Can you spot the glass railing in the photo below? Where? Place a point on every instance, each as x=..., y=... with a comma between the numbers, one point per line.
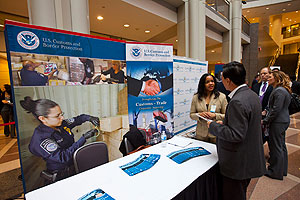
x=245, y=25
x=221, y=6
x=290, y=31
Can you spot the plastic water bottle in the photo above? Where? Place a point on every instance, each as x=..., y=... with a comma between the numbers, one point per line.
x=163, y=138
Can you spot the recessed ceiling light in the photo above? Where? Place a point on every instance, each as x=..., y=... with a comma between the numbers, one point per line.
x=100, y=18
x=213, y=51
x=295, y=21
x=248, y=10
x=282, y=24
x=147, y=31
x=176, y=40
x=289, y=4
x=267, y=8
x=297, y=11
x=126, y=25
x=271, y=25
x=253, y=19
x=290, y=20
x=284, y=9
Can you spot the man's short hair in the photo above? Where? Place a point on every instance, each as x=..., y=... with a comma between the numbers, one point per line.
x=235, y=71
x=27, y=64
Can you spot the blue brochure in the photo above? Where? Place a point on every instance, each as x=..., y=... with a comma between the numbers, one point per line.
x=142, y=163
x=186, y=154
x=97, y=194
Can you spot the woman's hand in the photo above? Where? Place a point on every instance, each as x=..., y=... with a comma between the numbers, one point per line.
x=208, y=115
x=211, y=115
x=264, y=113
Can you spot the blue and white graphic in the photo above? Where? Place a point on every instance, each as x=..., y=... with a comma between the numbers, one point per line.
x=150, y=87
x=187, y=73
x=136, y=52
x=28, y=40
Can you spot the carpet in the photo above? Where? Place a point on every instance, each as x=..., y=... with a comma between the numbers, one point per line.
x=10, y=186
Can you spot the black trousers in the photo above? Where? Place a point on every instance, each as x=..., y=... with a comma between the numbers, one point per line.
x=234, y=189
x=8, y=116
x=278, y=153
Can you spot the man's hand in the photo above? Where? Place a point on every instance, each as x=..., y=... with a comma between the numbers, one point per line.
x=151, y=87
x=51, y=74
x=90, y=133
x=208, y=124
x=95, y=121
x=103, y=77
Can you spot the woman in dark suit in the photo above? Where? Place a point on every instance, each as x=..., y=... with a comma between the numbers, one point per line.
x=278, y=119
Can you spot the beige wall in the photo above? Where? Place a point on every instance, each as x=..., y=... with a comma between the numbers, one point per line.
x=4, y=73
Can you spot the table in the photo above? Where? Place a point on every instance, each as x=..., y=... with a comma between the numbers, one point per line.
x=164, y=180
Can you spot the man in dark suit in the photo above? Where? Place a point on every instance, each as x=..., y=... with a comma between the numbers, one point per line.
x=263, y=89
x=239, y=141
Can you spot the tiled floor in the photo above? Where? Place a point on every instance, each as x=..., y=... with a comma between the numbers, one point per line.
x=266, y=188
x=262, y=188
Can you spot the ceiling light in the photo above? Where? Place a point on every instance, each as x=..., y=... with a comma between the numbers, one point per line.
x=271, y=25
x=282, y=24
x=248, y=10
x=289, y=4
x=284, y=9
x=1, y=25
x=147, y=31
x=287, y=18
x=297, y=11
x=267, y=8
x=213, y=51
x=126, y=25
x=290, y=20
x=295, y=21
x=100, y=18
x=176, y=40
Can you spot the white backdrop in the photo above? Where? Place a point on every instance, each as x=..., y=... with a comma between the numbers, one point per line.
x=187, y=73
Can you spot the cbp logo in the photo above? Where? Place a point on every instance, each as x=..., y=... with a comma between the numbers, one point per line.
x=136, y=52
x=28, y=40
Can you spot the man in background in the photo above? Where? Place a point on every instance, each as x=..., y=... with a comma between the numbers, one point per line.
x=263, y=89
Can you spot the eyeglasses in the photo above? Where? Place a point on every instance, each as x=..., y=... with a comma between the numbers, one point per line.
x=57, y=116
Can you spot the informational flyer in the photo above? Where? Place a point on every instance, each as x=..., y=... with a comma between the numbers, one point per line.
x=150, y=87
x=187, y=73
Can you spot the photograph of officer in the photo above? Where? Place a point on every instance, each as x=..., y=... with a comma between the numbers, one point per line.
x=53, y=139
x=30, y=77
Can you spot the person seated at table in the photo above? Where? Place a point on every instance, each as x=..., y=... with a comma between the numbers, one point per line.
x=115, y=72
x=53, y=139
x=30, y=77
x=208, y=102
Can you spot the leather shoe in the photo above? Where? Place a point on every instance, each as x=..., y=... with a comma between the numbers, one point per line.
x=277, y=178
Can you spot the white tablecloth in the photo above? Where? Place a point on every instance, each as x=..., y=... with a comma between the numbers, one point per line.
x=163, y=181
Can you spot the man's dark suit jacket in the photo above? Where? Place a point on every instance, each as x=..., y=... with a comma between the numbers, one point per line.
x=239, y=141
x=265, y=99
x=296, y=87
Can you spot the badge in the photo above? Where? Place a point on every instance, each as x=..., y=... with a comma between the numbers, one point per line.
x=49, y=145
x=70, y=121
x=213, y=108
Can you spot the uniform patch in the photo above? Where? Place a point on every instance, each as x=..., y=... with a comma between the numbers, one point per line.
x=70, y=121
x=49, y=145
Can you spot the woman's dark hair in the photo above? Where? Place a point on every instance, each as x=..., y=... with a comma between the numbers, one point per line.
x=40, y=107
x=7, y=88
x=201, y=87
x=235, y=71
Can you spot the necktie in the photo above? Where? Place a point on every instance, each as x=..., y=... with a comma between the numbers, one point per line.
x=263, y=91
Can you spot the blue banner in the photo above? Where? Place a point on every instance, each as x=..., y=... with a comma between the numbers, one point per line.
x=23, y=39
